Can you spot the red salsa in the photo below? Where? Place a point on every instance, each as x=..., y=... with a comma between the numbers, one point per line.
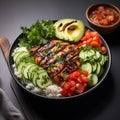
x=104, y=16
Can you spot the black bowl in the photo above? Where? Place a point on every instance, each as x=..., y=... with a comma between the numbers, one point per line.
x=101, y=79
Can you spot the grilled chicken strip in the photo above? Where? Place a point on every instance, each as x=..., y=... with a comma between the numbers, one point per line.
x=58, y=58
x=66, y=71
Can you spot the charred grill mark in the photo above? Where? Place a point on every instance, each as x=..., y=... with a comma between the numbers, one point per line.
x=34, y=50
x=60, y=66
x=43, y=61
x=55, y=70
x=47, y=52
x=38, y=57
x=53, y=59
x=71, y=54
x=57, y=48
x=45, y=47
x=49, y=45
x=58, y=58
x=41, y=52
x=58, y=78
x=56, y=41
x=74, y=58
x=62, y=53
x=52, y=54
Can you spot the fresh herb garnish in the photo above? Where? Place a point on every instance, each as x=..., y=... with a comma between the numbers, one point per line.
x=60, y=58
x=65, y=76
x=38, y=33
x=58, y=44
x=51, y=66
x=47, y=52
x=98, y=49
x=86, y=48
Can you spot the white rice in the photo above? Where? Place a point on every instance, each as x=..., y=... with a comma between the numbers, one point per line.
x=16, y=72
x=53, y=91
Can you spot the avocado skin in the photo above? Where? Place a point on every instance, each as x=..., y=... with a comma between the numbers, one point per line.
x=69, y=29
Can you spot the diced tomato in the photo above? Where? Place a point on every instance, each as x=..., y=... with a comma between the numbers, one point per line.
x=84, y=79
x=100, y=41
x=79, y=80
x=80, y=88
x=66, y=86
x=104, y=50
x=75, y=74
x=71, y=77
x=89, y=40
x=95, y=44
x=80, y=44
x=73, y=88
x=76, y=81
x=70, y=93
x=84, y=38
x=64, y=92
x=93, y=34
x=85, y=73
x=96, y=38
x=72, y=83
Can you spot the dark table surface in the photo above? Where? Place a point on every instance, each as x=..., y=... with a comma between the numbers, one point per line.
x=104, y=104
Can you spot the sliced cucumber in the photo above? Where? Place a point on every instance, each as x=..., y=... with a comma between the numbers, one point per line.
x=20, y=69
x=21, y=65
x=101, y=71
x=31, y=71
x=90, y=53
x=98, y=68
x=97, y=55
x=43, y=82
x=94, y=67
x=37, y=74
x=26, y=69
x=16, y=55
x=86, y=67
x=41, y=79
x=93, y=62
x=21, y=49
x=93, y=79
x=86, y=55
x=20, y=56
x=82, y=54
x=103, y=59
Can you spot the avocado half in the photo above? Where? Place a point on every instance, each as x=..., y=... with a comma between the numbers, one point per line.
x=69, y=29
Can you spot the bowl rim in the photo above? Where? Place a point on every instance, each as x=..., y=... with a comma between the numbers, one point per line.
x=108, y=4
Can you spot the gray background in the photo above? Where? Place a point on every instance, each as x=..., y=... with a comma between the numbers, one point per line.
x=17, y=13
